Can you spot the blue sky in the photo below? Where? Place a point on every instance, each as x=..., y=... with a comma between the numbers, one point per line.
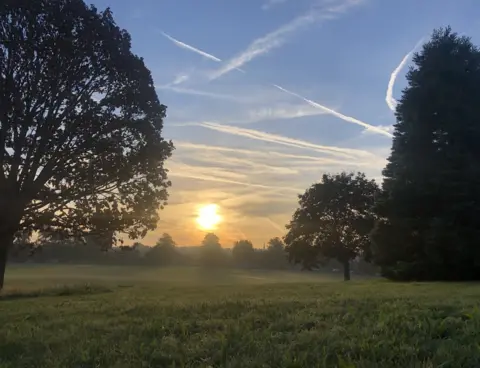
x=264, y=96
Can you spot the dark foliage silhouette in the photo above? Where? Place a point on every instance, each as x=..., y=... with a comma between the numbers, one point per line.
x=333, y=221
x=243, y=253
x=429, y=225
x=212, y=254
x=81, y=149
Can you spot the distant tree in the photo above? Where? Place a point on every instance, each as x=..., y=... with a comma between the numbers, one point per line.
x=243, y=253
x=212, y=254
x=211, y=241
x=429, y=227
x=276, y=245
x=81, y=149
x=166, y=241
x=275, y=255
x=142, y=249
x=164, y=252
x=334, y=220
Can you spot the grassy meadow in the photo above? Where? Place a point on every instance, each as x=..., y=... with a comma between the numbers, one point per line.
x=91, y=316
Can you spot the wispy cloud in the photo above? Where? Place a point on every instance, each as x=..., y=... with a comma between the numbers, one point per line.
x=348, y=119
x=180, y=79
x=391, y=102
x=276, y=226
x=271, y=3
x=278, y=37
x=195, y=92
x=299, y=161
x=291, y=142
x=281, y=112
x=191, y=48
x=386, y=128
x=219, y=175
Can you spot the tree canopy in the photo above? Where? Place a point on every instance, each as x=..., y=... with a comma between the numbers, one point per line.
x=429, y=211
x=166, y=241
x=164, y=252
x=212, y=254
x=81, y=149
x=243, y=253
x=333, y=220
x=276, y=245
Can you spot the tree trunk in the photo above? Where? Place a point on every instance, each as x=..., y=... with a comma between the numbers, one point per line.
x=346, y=271
x=6, y=240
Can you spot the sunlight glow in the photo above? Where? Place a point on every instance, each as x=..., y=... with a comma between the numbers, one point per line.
x=208, y=217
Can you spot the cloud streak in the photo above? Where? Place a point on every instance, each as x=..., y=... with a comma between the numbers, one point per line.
x=219, y=175
x=191, y=48
x=299, y=161
x=389, y=99
x=348, y=119
x=271, y=3
x=291, y=142
x=196, y=92
x=279, y=36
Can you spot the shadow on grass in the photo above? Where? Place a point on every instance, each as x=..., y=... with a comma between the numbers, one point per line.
x=65, y=290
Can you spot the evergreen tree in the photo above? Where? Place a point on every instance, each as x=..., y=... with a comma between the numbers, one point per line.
x=430, y=207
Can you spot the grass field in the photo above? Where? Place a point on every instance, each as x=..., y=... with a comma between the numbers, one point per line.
x=90, y=316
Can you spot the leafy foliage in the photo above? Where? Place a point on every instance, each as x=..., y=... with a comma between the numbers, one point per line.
x=243, y=253
x=275, y=255
x=276, y=245
x=164, y=252
x=333, y=220
x=212, y=254
x=430, y=208
x=81, y=150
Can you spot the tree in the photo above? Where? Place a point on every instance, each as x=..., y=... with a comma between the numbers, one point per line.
x=243, y=253
x=212, y=254
x=275, y=255
x=81, y=149
x=429, y=211
x=334, y=220
x=166, y=241
x=211, y=241
x=164, y=251
x=276, y=245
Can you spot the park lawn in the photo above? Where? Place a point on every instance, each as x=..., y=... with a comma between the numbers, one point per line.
x=141, y=317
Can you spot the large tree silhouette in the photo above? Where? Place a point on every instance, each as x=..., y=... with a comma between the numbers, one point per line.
x=81, y=150
x=334, y=220
x=429, y=226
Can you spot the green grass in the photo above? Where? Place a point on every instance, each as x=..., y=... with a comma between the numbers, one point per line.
x=185, y=317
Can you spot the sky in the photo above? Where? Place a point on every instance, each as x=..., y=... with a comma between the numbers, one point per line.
x=265, y=96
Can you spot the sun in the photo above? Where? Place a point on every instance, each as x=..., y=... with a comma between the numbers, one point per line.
x=208, y=217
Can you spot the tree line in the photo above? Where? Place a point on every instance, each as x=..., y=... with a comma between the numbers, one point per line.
x=50, y=248
x=210, y=253
x=82, y=153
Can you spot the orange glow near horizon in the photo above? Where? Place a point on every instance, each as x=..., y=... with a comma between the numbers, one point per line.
x=208, y=217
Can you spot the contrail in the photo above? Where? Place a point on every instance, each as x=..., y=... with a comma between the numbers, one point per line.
x=276, y=226
x=183, y=45
x=195, y=92
x=346, y=118
x=391, y=102
x=291, y=142
x=278, y=37
x=191, y=48
x=314, y=160
x=189, y=172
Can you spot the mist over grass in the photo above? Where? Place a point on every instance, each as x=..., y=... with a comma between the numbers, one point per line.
x=195, y=317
